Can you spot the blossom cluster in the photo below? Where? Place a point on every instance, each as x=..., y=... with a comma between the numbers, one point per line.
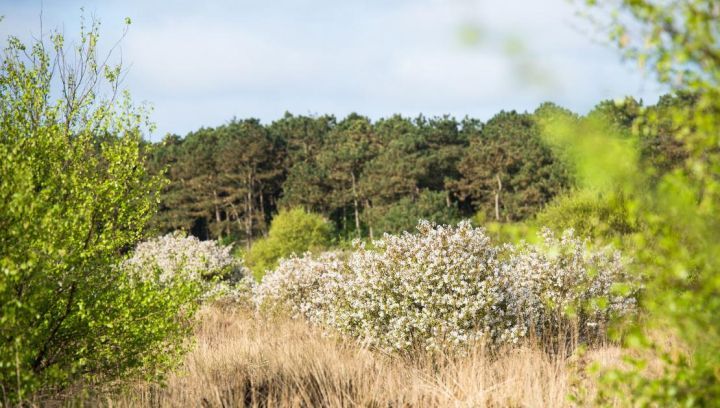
x=560, y=281
x=302, y=286
x=179, y=256
x=447, y=286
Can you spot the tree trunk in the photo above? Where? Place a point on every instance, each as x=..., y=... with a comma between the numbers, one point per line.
x=497, y=198
x=370, y=228
x=249, y=212
x=355, y=204
x=236, y=214
x=217, y=214
x=262, y=213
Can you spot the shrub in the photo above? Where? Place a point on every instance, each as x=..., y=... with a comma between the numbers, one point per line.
x=291, y=232
x=425, y=290
x=590, y=214
x=403, y=214
x=176, y=258
x=74, y=195
x=560, y=285
x=301, y=286
x=179, y=256
x=505, y=232
x=446, y=287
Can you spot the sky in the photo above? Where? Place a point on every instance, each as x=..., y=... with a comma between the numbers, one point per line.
x=202, y=63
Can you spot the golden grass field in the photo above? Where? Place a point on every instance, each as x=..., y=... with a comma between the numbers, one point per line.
x=240, y=360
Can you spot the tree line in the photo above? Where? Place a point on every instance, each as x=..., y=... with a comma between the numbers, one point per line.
x=371, y=177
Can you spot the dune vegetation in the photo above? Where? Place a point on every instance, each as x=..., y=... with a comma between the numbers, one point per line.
x=537, y=259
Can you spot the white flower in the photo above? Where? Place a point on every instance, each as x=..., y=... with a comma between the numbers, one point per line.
x=176, y=256
x=448, y=286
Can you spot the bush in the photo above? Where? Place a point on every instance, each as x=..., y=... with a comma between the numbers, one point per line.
x=506, y=232
x=299, y=285
x=446, y=287
x=74, y=196
x=561, y=287
x=179, y=256
x=425, y=290
x=590, y=214
x=176, y=258
x=291, y=232
x=404, y=214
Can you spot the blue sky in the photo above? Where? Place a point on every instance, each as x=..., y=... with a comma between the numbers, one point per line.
x=201, y=63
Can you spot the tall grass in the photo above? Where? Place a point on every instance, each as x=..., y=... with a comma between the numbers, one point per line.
x=244, y=360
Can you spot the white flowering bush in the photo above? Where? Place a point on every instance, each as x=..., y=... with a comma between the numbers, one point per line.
x=177, y=256
x=446, y=287
x=562, y=284
x=302, y=286
x=231, y=292
x=427, y=290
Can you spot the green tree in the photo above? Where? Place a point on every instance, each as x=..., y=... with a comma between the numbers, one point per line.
x=224, y=181
x=249, y=169
x=174, y=210
x=445, y=142
x=75, y=196
x=396, y=170
x=291, y=232
x=305, y=184
x=395, y=173
x=660, y=147
x=617, y=116
x=508, y=171
x=190, y=200
x=679, y=42
x=302, y=136
x=345, y=152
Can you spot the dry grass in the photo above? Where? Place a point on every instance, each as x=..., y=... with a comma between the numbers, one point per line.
x=241, y=360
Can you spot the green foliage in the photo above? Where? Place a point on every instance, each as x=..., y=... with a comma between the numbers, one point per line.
x=74, y=196
x=590, y=214
x=512, y=232
x=291, y=232
x=222, y=181
x=508, y=171
x=677, y=249
x=227, y=181
x=660, y=149
x=304, y=184
x=346, y=150
x=404, y=214
x=615, y=154
x=617, y=116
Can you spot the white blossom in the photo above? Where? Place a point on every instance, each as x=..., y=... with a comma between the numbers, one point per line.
x=447, y=287
x=176, y=256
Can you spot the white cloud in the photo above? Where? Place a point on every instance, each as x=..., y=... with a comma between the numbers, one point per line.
x=201, y=63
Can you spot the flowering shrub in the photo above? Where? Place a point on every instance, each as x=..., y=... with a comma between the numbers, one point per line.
x=430, y=289
x=302, y=286
x=178, y=256
x=236, y=293
x=561, y=284
x=447, y=287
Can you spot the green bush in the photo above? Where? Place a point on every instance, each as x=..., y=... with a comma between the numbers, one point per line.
x=592, y=215
x=75, y=196
x=291, y=232
x=404, y=214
